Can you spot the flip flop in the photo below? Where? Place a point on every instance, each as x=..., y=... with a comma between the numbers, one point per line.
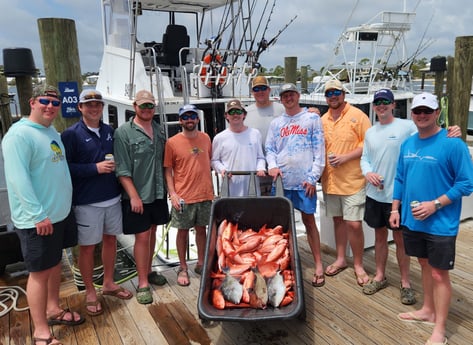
x=118, y=293
x=58, y=319
x=316, y=279
x=430, y=342
x=334, y=270
x=95, y=304
x=46, y=341
x=413, y=318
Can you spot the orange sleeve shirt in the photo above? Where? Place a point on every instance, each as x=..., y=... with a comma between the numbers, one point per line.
x=342, y=136
x=190, y=160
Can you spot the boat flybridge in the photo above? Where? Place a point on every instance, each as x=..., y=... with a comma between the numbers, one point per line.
x=170, y=48
x=367, y=58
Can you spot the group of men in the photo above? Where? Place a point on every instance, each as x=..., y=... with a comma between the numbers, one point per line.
x=369, y=173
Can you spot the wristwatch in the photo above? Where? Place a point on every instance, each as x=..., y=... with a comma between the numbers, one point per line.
x=438, y=204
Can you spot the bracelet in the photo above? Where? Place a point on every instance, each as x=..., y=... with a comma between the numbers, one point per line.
x=395, y=211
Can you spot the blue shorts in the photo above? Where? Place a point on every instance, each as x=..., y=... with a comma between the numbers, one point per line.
x=301, y=201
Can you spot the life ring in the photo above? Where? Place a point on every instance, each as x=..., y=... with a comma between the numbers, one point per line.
x=208, y=80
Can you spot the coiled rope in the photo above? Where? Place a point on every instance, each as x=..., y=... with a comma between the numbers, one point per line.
x=9, y=298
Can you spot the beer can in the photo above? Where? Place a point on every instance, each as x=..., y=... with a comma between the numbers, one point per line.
x=381, y=183
x=109, y=157
x=181, y=204
x=415, y=204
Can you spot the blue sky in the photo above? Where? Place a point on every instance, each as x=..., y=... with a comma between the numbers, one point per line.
x=311, y=37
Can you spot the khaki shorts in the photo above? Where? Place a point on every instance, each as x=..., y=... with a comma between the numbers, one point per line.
x=350, y=207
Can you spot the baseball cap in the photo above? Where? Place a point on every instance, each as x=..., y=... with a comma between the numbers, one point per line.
x=383, y=94
x=288, y=87
x=144, y=96
x=333, y=84
x=90, y=95
x=45, y=90
x=259, y=80
x=425, y=99
x=235, y=104
x=188, y=108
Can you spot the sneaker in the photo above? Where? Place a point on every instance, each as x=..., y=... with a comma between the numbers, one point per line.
x=407, y=296
x=156, y=279
x=374, y=286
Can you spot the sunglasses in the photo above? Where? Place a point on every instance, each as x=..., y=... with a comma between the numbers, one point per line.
x=260, y=88
x=146, y=106
x=92, y=96
x=187, y=116
x=331, y=93
x=235, y=112
x=45, y=101
x=382, y=101
x=427, y=111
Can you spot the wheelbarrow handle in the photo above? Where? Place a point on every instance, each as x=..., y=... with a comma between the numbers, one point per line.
x=225, y=192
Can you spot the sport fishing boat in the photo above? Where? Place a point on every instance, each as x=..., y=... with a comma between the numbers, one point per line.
x=161, y=46
x=367, y=58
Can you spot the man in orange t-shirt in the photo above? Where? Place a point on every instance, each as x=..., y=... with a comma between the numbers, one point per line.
x=188, y=177
x=343, y=183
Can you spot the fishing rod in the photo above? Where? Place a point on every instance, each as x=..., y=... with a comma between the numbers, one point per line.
x=263, y=45
x=250, y=49
x=245, y=29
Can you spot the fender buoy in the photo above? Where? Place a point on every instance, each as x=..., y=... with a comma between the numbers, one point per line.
x=209, y=81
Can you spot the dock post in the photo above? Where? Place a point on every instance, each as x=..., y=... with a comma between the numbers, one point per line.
x=460, y=94
x=5, y=114
x=290, y=69
x=304, y=77
x=60, y=57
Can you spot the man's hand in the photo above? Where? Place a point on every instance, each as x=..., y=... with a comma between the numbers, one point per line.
x=44, y=228
x=105, y=167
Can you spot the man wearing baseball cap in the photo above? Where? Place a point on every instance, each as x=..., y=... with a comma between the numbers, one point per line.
x=95, y=197
x=436, y=172
x=238, y=148
x=139, y=151
x=295, y=151
x=189, y=182
x=343, y=183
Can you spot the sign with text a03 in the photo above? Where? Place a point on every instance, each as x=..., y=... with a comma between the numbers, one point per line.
x=70, y=98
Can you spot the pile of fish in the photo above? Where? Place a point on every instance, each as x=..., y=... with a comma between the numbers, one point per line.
x=253, y=268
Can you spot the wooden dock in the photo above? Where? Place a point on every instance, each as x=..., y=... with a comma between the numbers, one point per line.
x=338, y=313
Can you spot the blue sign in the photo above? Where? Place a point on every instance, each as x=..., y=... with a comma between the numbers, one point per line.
x=70, y=98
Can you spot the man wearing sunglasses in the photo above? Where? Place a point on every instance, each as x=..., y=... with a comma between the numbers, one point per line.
x=139, y=150
x=40, y=195
x=436, y=172
x=378, y=164
x=189, y=181
x=238, y=148
x=343, y=183
x=96, y=196
x=263, y=111
x=295, y=151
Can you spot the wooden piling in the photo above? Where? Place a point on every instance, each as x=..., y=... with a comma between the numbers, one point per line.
x=60, y=57
x=460, y=93
x=290, y=69
x=304, y=77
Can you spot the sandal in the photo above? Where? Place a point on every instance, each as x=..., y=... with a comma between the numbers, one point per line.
x=374, y=286
x=182, y=273
x=198, y=269
x=318, y=281
x=144, y=295
x=58, y=319
x=47, y=341
x=118, y=293
x=95, y=304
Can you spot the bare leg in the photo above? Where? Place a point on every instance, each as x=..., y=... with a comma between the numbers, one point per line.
x=313, y=238
x=381, y=252
x=37, y=297
x=442, y=293
x=152, y=246
x=357, y=243
x=141, y=254
x=181, y=245
x=403, y=260
x=200, y=240
x=341, y=239
x=86, y=266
